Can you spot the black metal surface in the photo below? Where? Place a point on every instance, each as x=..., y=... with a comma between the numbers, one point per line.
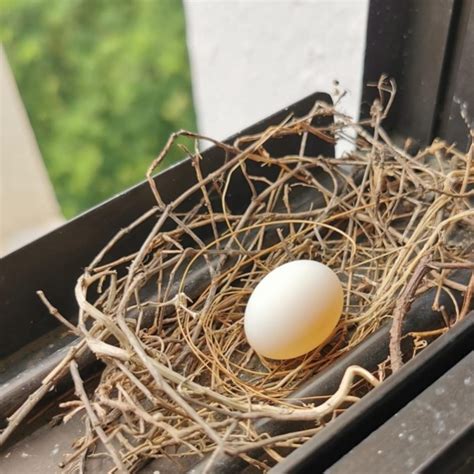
x=408, y=41
x=351, y=427
x=457, y=456
x=430, y=434
x=428, y=48
x=456, y=109
x=54, y=262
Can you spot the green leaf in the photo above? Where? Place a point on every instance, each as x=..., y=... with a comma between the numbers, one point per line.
x=104, y=83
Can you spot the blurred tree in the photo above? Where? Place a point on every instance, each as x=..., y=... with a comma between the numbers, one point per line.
x=104, y=83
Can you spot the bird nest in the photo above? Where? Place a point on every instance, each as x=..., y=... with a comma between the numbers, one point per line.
x=167, y=320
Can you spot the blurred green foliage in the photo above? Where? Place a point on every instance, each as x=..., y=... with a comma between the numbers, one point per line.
x=105, y=82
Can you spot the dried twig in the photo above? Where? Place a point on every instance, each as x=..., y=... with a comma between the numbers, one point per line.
x=403, y=305
x=55, y=313
x=468, y=296
x=96, y=425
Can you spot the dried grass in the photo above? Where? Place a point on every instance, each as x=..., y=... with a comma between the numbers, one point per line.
x=179, y=377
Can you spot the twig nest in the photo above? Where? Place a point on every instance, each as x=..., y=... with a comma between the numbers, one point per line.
x=293, y=310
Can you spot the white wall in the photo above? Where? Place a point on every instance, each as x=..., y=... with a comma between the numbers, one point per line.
x=250, y=58
x=28, y=206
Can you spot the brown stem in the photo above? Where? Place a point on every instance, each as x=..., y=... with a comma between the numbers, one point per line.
x=467, y=301
x=452, y=265
x=401, y=308
x=81, y=393
x=55, y=313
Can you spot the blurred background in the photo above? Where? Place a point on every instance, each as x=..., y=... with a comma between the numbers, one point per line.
x=91, y=89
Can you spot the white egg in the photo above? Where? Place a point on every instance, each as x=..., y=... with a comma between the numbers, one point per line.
x=293, y=309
